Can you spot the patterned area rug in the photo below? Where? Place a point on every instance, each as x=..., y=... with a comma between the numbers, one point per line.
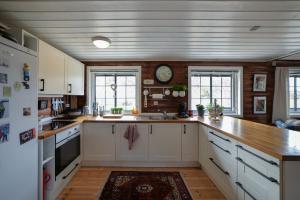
x=129, y=185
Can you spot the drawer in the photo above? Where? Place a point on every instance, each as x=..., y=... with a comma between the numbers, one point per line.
x=223, y=177
x=222, y=140
x=66, y=133
x=263, y=163
x=255, y=185
x=226, y=159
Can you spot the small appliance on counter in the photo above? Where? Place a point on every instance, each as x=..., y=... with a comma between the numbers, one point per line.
x=182, y=113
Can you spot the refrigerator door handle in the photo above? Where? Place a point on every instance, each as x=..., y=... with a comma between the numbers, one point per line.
x=43, y=85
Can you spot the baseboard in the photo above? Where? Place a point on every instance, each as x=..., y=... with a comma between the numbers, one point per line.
x=138, y=164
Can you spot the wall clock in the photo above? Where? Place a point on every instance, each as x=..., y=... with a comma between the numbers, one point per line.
x=164, y=73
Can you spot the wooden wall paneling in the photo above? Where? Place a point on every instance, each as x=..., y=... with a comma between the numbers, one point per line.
x=170, y=104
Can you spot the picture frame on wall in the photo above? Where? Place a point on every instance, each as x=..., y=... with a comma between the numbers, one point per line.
x=260, y=105
x=260, y=83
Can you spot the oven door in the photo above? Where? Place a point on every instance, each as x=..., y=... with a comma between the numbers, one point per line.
x=66, y=152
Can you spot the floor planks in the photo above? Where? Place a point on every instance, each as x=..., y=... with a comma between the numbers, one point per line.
x=88, y=182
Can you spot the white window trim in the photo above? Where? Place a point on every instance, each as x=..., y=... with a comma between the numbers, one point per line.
x=224, y=68
x=291, y=114
x=105, y=68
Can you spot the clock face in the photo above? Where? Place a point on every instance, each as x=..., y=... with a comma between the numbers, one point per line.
x=164, y=73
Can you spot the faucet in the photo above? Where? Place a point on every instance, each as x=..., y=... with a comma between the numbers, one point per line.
x=165, y=114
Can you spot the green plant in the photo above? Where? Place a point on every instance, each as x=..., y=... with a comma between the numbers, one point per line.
x=200, y=107
x=179, y=87
x=116, y=110
x=213, y=107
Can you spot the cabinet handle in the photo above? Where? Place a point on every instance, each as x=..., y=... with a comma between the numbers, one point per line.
x=150, y=129
x=70, y=88
x=71, y=171
x=113, y=129
x=227, y=151
x=225, y=139
x=258, y=156
x=220, y=168
x=184, y=129
x=271, y=179
x=242, y=187
x=43, y=85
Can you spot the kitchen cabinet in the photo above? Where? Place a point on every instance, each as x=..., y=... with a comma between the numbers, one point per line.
x=99, y=142
x=202, y=141
x=51, y=70
x=189, y=142
x=139, y=151
x=74, y=76
x=165, y=142
x=258, y=174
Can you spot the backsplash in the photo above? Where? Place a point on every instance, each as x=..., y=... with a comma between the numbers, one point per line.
x=72, y=100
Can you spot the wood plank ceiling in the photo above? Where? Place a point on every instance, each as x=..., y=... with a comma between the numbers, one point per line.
x=162, y=30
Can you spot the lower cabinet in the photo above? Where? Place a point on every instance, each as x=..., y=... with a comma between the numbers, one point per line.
x=190, y=143
x=165, y=142
x=99, y=142
x=239, y=171
x=139, y=150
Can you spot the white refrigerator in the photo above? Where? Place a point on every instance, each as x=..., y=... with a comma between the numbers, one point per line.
x=18, y=122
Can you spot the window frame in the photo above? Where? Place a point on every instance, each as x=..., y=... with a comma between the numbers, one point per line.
x=290, y=112
x=237, y=91
x=91, y=85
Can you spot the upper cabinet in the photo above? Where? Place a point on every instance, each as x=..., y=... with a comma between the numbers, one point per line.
x=59, y=74
x=74, y=76
x=51, y=70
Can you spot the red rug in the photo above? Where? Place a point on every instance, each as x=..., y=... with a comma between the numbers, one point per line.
x=129, y=185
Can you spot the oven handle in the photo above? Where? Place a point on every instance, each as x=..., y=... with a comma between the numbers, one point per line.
x=64, y=177
x=57, y=145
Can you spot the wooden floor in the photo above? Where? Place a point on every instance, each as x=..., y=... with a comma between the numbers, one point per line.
x=88, y=183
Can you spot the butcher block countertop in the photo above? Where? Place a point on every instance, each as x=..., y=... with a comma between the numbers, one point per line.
x=280, y=143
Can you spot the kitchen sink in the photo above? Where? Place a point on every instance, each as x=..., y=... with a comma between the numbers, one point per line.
x=162, y=118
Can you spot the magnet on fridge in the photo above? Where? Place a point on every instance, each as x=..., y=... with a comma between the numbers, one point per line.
x=17, y=86
x=27, y=136
x=26, y=85
x=4, y=133
x=26, y=72
x=6, y=91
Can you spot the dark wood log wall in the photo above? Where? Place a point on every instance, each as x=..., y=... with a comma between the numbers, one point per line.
x=181, y=77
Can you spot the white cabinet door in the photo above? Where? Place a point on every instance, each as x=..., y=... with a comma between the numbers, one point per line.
x=99, y=142
x=203, y=142
x=139, y=151
x=74, y=76
x=189, y=142
x=51, y=70
x=164, y=142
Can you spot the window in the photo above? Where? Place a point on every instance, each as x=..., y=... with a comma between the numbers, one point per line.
x=221, y=84
x=115, y=88
x=294, y=91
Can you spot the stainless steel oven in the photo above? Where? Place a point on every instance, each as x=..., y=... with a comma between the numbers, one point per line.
x=67, y=149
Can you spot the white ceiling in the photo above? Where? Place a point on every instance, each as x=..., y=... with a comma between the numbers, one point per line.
x=162, y=30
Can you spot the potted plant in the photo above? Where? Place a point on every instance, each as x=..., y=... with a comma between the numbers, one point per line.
x=201, y=110
x=215, y=111
x=179, y=90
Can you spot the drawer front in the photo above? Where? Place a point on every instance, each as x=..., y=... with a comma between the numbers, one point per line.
x=223, y=177
x=255, y=185
x=222, y=157
x=66, y=133
x=265, y=164
x=224, y=141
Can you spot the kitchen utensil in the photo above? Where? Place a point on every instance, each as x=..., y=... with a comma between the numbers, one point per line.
x=146, y=93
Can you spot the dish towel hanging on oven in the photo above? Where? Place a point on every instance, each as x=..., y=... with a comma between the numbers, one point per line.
x=131, y=135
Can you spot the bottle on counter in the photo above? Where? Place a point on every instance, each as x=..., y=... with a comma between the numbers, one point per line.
x=95, y=109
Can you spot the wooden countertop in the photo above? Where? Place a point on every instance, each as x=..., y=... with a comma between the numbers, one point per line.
x=281, y=143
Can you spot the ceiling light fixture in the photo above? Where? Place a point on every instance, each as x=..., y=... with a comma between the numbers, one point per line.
x=101, y=42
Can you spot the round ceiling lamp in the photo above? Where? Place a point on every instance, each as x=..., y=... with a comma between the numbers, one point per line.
x=101, y=42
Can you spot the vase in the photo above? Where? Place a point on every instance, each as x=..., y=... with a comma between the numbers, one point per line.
x=201, y=112
x=175, y=93
x=181, y=93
